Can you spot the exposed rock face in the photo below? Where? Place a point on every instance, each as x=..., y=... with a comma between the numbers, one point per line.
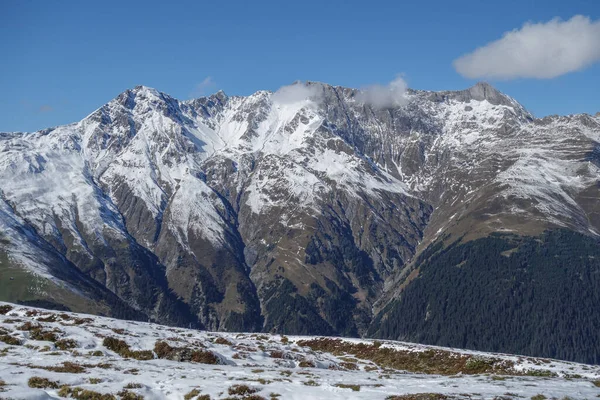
x=288, y=215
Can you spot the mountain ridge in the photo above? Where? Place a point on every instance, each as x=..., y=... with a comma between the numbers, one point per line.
x=298, y=211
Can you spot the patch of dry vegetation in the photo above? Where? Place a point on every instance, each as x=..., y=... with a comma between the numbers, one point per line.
x=41, y=383
x=429, y=361
x=84, y=394
x=5, y=309
x=10, y=340
x=223, y=341
x=185, y=354
x=122, y=348
x=242, y=390
x=65, y=344
x=355, y=388
x=419, y=396
x=129, y=395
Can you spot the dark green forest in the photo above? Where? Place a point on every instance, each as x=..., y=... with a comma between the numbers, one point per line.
x=536, y=296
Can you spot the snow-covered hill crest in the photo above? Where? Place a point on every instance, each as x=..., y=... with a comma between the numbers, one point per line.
x=48, y=354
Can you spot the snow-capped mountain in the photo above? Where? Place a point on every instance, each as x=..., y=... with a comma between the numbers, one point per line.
x=301, y=211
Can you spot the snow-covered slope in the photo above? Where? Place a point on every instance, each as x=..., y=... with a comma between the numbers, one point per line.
x=228, y=212
x=83, y=351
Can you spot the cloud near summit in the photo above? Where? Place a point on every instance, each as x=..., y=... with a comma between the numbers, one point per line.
x=298, y=91
x=390, y=95
x=537, y=50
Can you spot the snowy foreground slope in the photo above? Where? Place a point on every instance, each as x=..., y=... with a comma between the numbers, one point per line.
x=54, y=354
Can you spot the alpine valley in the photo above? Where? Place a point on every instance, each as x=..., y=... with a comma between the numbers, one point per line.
x=451, y=218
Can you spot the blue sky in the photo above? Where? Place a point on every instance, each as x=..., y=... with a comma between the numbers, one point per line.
x=63, y=59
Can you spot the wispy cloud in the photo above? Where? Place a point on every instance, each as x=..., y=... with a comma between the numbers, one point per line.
x=296, y=92
x=537, y=50
x=204, y=87
x=391, y=95
x=45, y=108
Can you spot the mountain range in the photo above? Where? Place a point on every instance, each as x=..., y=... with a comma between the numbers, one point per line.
x=453, y=218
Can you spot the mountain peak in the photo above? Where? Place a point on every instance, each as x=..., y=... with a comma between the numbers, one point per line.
x=484, y=91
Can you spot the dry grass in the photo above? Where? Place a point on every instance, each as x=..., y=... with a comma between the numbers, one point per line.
x=277, y=354
x=349, y=365
x=429, y=361
x=84, y=394
x=222, y=340
x=242, y=390
x=129, y=395
x=355, y=388
x=10, y=340
x=192, y=394
x=41, y=383
x=419, y=396
x=65, y=344
x=68, y=367
x=306, y=364
x=168, y=352
x=5, y=308
x=122, y=348
x=132, y=385
x=48, y=318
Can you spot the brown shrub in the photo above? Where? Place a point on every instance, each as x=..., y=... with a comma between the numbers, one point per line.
x=40, y=334
x=117, y=345
x=355, y=388
x=419, y=396
x=242, y=390
x=306, y=364
x=84, y=394
x=11, y=340
x=222, y=340
x=79, y=321
x=41, y=383
x=204, y=357
x=129, y=395
x=5, y=308
x=277, y=354
x=349, y=366
x=48, y=318
x=168, y=352
x=191, y=394
x=27, y=326
x=65, y=344
x=122, y=348
x=68, y=367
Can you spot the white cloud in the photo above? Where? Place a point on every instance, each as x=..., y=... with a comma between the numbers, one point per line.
x=542, y=50
x=203, y=87
x=296, y=92
x=391, y=95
